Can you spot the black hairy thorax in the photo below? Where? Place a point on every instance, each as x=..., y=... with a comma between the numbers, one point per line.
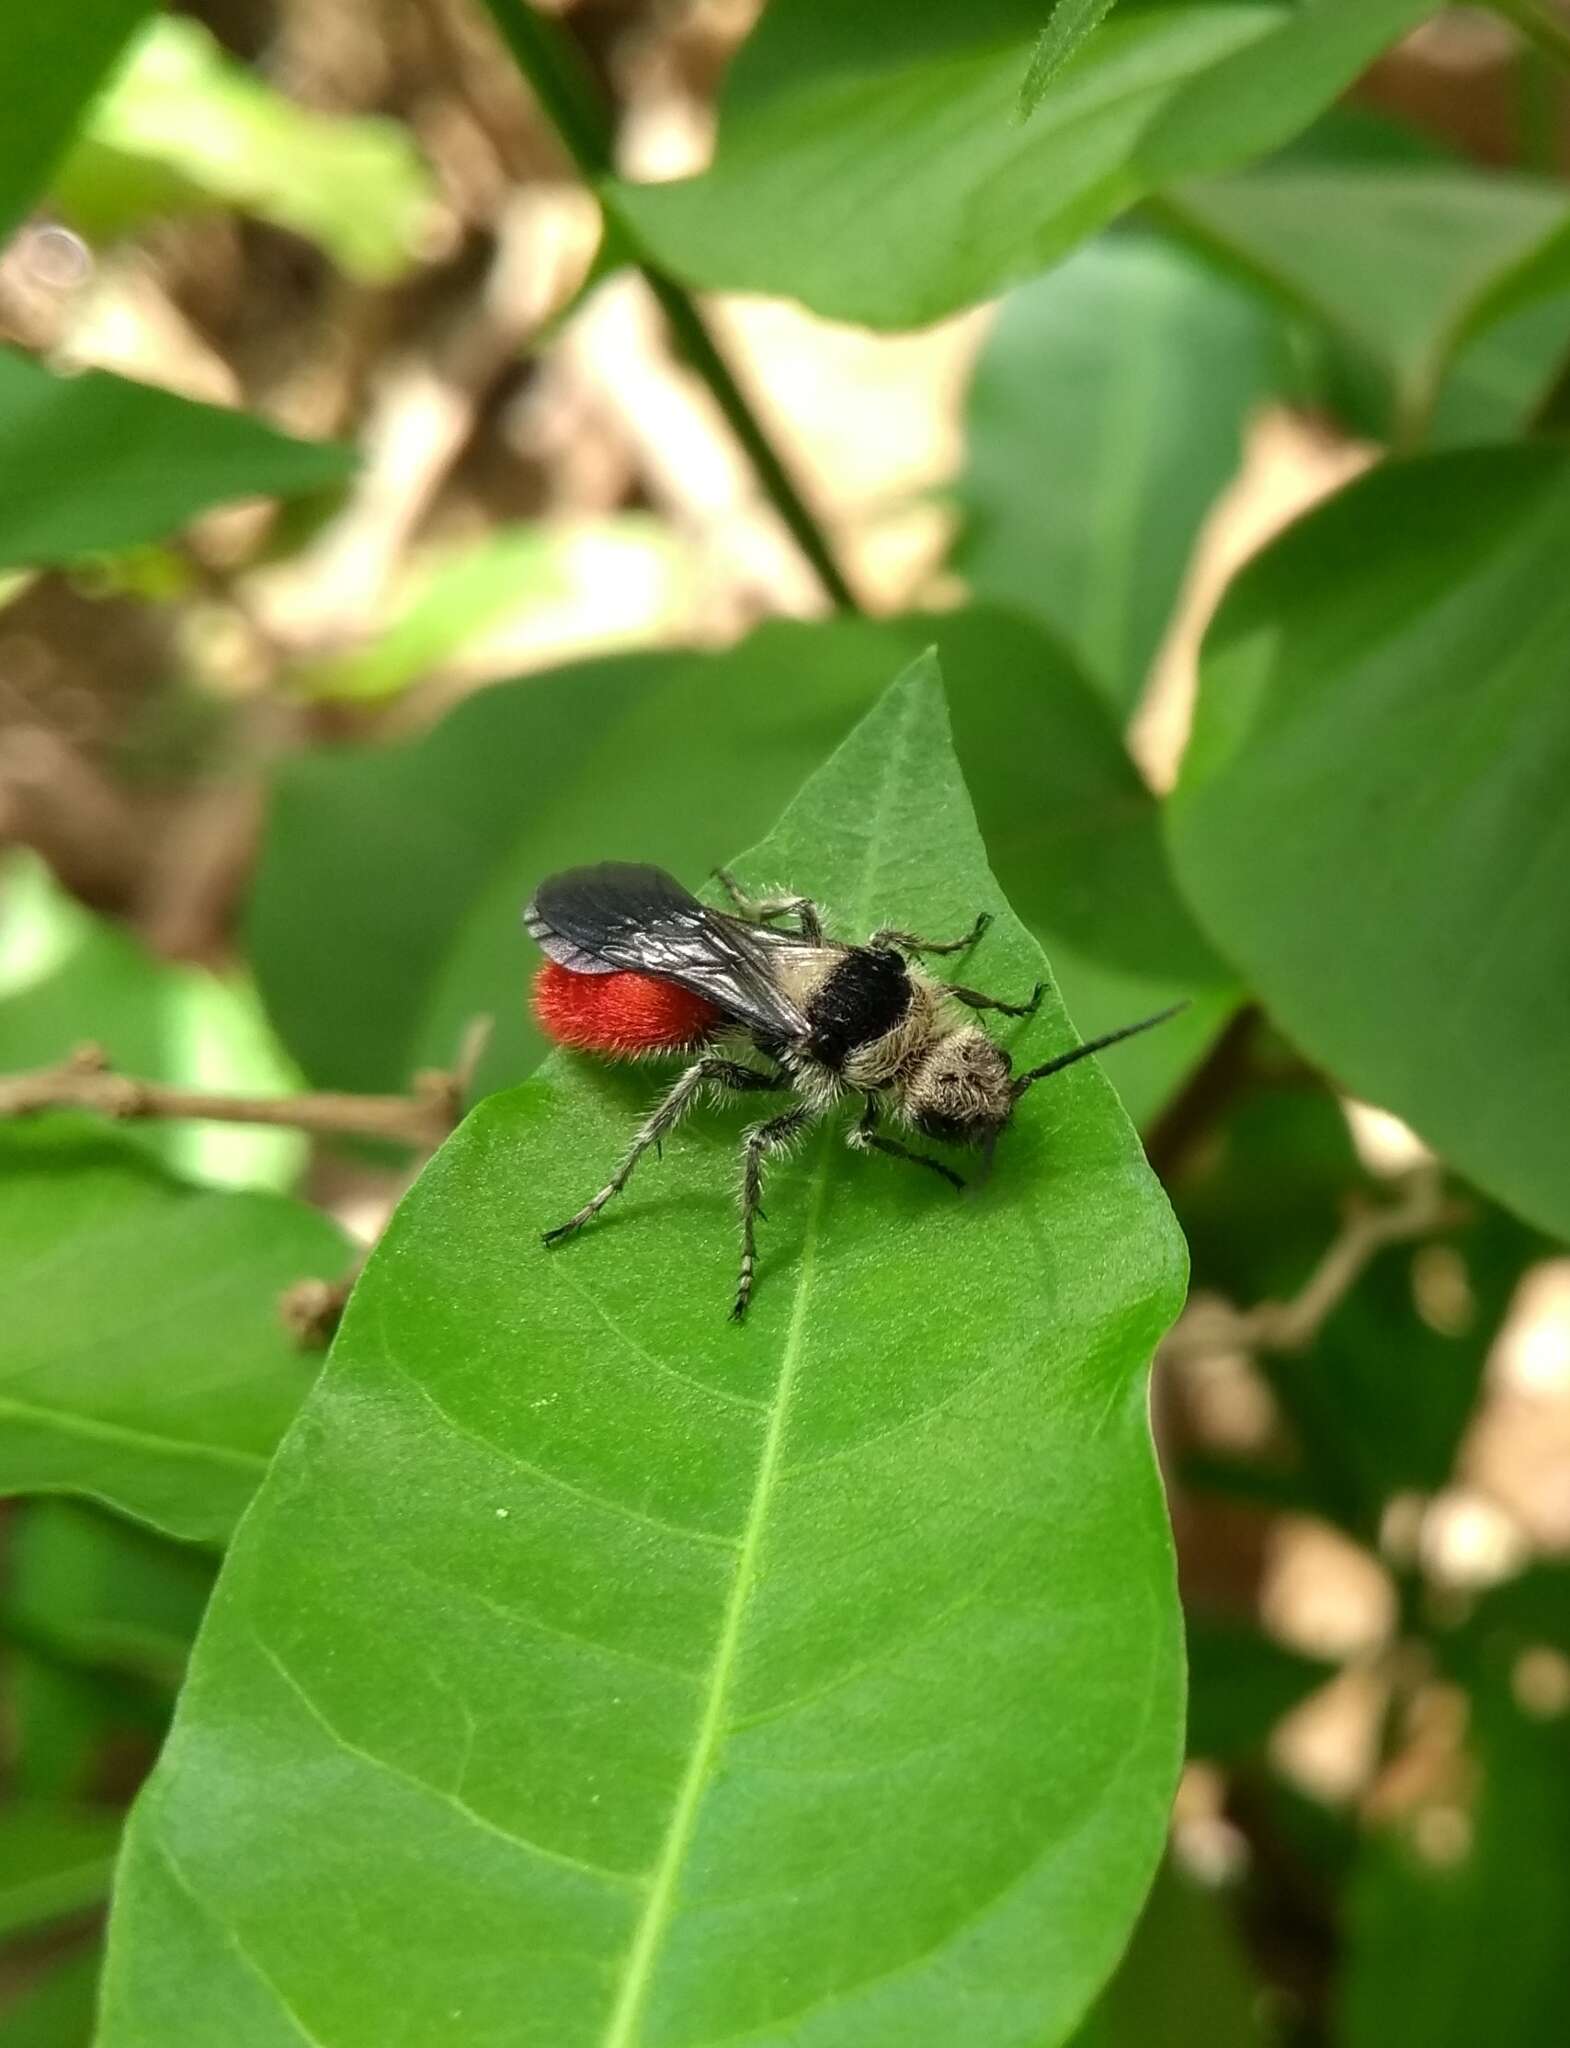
x=864, y=995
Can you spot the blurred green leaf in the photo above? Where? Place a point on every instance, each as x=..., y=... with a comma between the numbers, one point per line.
x=182, y=127
x=54, y=1861
x=386, y=912
x=66, y=976
x=1185, y=1981
x=1387, y=681
x=101, y=1590
x=52, y=60
x=1457, y=1917
x=58, y=2011
x=57, y=1721
x=1071, y=24
x=1268, y=90
x=97, y=1616
x=627, y=1676
x=94, y=462
x=146, y=1363
x=1105, y=415
x=1240, y=1684
x=870, y=163
x=1397, y=1390
x=1394, y=259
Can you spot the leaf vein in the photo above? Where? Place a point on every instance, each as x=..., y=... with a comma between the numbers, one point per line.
x=601, y=1873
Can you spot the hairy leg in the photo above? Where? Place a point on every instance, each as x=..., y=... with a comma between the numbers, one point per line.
x=662, y=1120
x=773, y=1136
x=973, y=999
x=865, y=1136
x=886, y=937
x=764, y=909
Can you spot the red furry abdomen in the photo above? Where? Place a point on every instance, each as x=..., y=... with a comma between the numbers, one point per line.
x=620, y=1015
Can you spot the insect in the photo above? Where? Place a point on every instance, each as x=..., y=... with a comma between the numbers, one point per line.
x=636, y=965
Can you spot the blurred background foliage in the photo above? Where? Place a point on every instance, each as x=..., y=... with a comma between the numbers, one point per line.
x=377, y=534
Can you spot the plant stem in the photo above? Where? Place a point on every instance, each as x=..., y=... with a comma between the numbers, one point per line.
x=1542, y=24
x=568, y=97
x=421, y=1120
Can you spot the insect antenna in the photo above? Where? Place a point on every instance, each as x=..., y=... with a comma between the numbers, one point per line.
x=1083, y=1052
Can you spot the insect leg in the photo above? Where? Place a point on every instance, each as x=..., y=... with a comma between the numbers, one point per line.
x=761, y=1140
x=973, y=999
x=865, y=1136
x=661, y=1121
x=886, y=937
x=764, y=909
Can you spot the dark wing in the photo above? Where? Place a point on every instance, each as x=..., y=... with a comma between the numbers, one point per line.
x=622, y=914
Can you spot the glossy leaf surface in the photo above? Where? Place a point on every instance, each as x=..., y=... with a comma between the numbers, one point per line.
x=145, y=1361
x=874, y=165
x=597, y=1671
x=1390, y=677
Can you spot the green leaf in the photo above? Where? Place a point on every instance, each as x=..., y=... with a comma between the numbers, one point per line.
x=54, y=1861
x=1105, y=415
x=53, y=60
x=386, y=909
x=609, y=1674
x=98, y=1617
x=182, y=129
x=1431, y=1915
x=102, y=1591
x=93, y=463
x=1267, y=91
x=1185, y=1981
x=145, y=1363
x=871, y=163
x=1389, y=680
x=66, y=976
x=59, y=2010
x=1072, y=23
x=1394, y=259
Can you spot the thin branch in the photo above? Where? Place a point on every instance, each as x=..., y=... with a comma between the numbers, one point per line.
x=421, y=1119
x=1209, y=1326
x=570, y=101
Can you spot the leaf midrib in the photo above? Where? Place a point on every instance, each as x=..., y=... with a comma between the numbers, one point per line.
x=623, y=2026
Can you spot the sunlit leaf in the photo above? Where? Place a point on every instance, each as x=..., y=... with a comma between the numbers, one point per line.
x=146, y=1363
x=631, y=1677
x=96, y=462
x=1371, y=817
x=67, y=977
x=182, y=127
x=871, y=162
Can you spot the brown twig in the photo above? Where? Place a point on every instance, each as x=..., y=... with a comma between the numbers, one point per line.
x=1210, y=1325
x=420, y=1119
